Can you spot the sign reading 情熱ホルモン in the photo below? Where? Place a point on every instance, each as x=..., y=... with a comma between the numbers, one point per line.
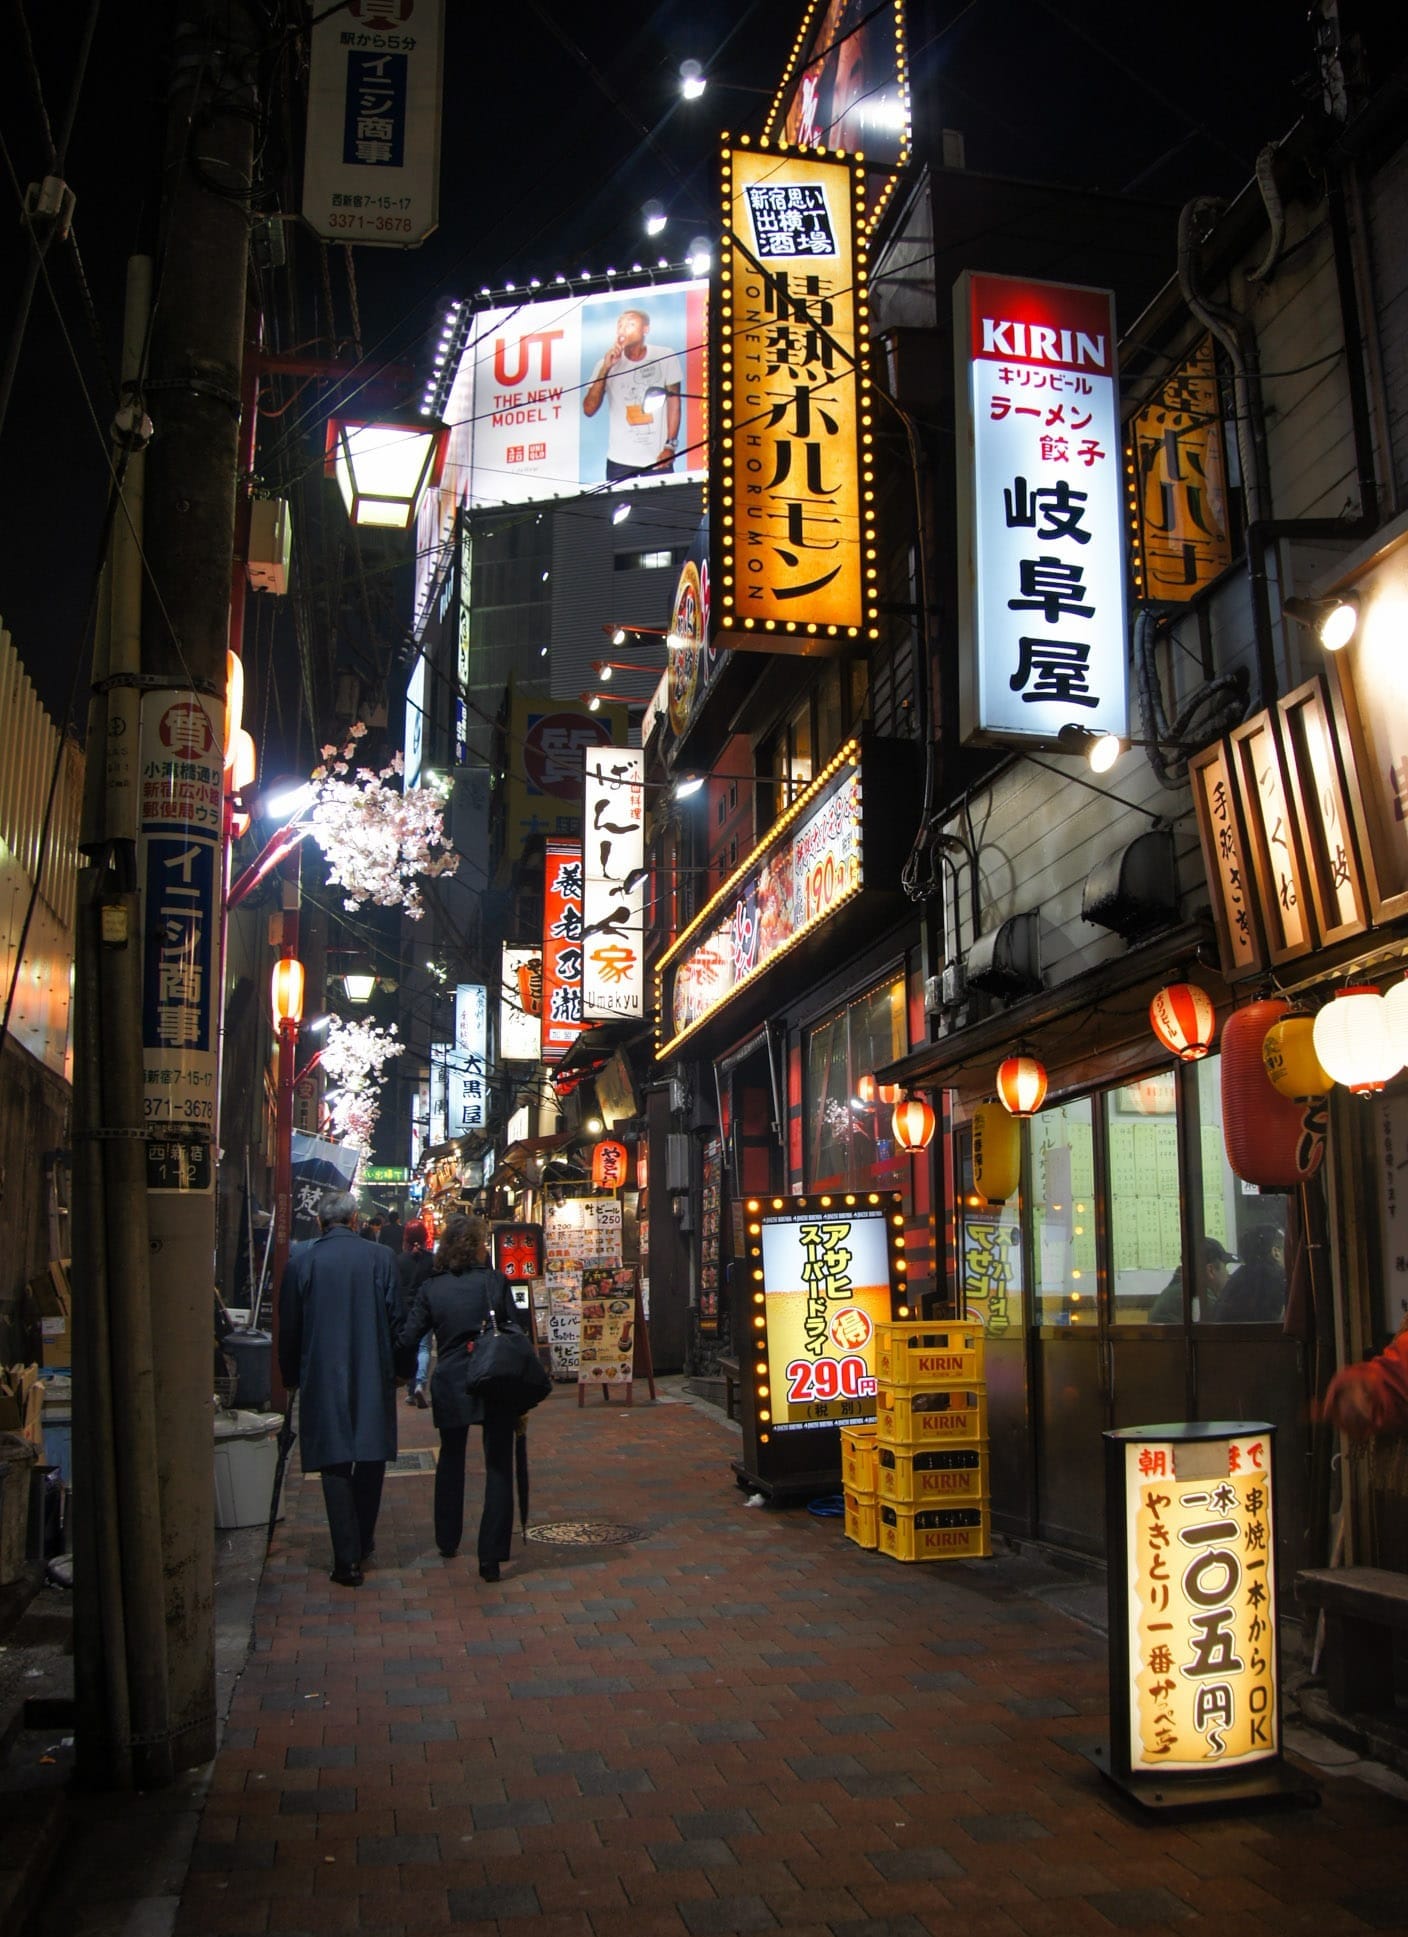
x=1041, y=511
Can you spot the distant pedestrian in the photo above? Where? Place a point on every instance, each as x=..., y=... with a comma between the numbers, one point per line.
x=371, y=1229
x=340, y=1310
x=456, y=1300
x=414, y=1266
x=392, y=1232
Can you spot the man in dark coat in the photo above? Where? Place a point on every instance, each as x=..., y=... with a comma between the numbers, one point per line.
x=340, y=1308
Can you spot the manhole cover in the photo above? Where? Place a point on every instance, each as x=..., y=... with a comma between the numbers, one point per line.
x=583, y=1533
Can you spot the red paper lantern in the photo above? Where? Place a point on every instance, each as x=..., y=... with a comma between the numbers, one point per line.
x=913, y=1124
x=1182, y=1018
x=609, y=1164
x=869, y=1091
x=1021, y=1086
x=1273, y=1141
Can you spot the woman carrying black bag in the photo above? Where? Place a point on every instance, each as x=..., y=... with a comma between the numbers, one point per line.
x=455, y=1302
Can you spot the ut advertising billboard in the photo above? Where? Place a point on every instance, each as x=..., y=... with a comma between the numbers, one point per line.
x=556, y=396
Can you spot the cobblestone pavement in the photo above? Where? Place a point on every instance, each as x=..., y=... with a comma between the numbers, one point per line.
x=735, y=1722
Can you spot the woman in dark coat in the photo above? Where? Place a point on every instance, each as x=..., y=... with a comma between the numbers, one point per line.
x=455, y=1302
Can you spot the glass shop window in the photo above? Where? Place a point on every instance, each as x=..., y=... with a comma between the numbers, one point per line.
x=848, y=1143
x=1146, y=1246
x=1062, y=1200
x=1242, y=1269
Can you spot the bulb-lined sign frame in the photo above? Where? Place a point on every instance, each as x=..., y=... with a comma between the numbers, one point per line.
x=824, y=1270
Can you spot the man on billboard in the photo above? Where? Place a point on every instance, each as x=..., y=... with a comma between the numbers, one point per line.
x=630, y=368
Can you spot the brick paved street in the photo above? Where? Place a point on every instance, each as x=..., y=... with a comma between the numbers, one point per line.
x=737, y=1722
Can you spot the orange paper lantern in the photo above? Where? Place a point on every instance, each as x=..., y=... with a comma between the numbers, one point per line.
x=1272, y=1140
x=1021, y=1086
x=610, y=1161
x=1183, y=1019
x=913, y=1124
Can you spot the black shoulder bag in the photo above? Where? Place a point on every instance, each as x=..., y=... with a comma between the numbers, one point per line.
x=504, y=1369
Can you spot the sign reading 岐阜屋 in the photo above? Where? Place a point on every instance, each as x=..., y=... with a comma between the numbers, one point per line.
x=1041, y=511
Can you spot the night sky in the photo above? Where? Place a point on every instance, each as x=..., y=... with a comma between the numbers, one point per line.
x=560, y=121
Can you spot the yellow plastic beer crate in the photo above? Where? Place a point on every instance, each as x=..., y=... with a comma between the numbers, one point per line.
x=920, y=1353
x=861, y=1517
x=931, y=1477
x=955, y=1416
x=934, y=1533
x=858, y=1458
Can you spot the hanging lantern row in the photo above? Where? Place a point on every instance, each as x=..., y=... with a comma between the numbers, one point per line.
x=869, y=1091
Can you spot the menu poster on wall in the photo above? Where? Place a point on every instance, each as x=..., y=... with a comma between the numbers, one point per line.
x=710, y=1227
x=607, y=1349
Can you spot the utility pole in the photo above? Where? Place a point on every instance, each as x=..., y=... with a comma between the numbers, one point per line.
x=193, y=394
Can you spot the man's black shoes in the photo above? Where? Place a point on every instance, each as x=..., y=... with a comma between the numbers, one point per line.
x=347, y=1576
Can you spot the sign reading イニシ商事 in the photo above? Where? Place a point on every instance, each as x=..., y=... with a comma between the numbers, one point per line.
x=1041, y=510
x=1201, y=1600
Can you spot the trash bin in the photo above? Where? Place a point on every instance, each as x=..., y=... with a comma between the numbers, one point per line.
x=17, y=1459
x=251, y=1353
x=246, y=1453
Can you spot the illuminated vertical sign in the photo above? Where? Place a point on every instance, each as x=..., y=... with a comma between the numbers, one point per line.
x=520, y=1031
x=613, y=872
x=440, y=1053
x=1041, y=511
x=1193, y=1664
x=414, y=740
x=467, y=1086
x=1177, y=478
x=1224, y=846
x=371, y=159
x=794, y=538
x=562, y=948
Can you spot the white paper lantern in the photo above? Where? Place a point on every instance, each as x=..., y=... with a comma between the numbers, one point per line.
x=1355, y=1040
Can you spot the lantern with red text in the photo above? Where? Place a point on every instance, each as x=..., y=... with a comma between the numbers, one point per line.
x=1182, y=1018
x=609, y=1164
x=997, y=1153
x=530, y=986
x=1354, y=1040
x=913, y=1124
x=1021, y=1086
x=1272, y=1140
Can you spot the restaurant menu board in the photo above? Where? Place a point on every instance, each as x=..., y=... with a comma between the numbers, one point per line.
x=577, y=1233
x=1201, y=1603
x=826, y=1284
x=712, y=1165
x=608, y=1320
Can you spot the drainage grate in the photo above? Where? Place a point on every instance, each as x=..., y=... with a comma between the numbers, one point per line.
x=583, y=1533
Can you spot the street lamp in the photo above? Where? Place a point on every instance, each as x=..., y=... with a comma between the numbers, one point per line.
x=384, y=468
x=359, y=987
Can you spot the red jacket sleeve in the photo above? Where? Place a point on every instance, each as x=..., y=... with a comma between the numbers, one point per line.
x=1385, y=1381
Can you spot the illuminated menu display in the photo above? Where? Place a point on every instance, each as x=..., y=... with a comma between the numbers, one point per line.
x=802, y=874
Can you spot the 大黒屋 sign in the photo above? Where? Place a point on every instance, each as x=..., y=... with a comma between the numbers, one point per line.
x=794, y=435
x=371, y=158
x=1041, y=511
x=467, y=1089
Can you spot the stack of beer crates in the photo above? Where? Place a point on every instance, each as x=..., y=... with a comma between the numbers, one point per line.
x=916, y=1485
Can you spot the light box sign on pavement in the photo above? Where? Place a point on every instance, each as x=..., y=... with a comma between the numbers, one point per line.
x=1041, y=511
x=1194, y=1675
x=371, y=159
x=794, y=406
x=613, y=909
x=823, y=1272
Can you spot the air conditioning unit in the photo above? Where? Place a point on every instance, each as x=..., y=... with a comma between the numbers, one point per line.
x=1135, y=892
x=1007, y=960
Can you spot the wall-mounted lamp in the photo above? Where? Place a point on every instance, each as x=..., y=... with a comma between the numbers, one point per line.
x=383, y=469
x=1334, y=620
x=359, y=988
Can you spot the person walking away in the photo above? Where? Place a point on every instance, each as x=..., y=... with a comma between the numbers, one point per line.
x=414, y=1267
x=393, y=1234
x=340, y=1311
x=455, y=1301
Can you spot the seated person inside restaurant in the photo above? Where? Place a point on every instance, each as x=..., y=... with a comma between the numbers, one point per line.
x=1212, y=1262
x=1255, y=1294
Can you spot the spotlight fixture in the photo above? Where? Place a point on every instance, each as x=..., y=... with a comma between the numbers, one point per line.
x=1333, y=620
x=620, y=513
x=692, y=81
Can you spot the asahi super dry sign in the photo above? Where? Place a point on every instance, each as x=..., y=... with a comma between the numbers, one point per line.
x=1041, y=513
x=795, y=437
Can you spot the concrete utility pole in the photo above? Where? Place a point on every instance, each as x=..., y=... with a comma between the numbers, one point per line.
x=193, y=395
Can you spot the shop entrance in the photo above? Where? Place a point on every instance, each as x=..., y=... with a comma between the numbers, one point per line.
x=1137, y=1281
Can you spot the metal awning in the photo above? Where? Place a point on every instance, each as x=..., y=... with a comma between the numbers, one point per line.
x=596, y=1045
x=1131, y=978
x=521, y=1156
